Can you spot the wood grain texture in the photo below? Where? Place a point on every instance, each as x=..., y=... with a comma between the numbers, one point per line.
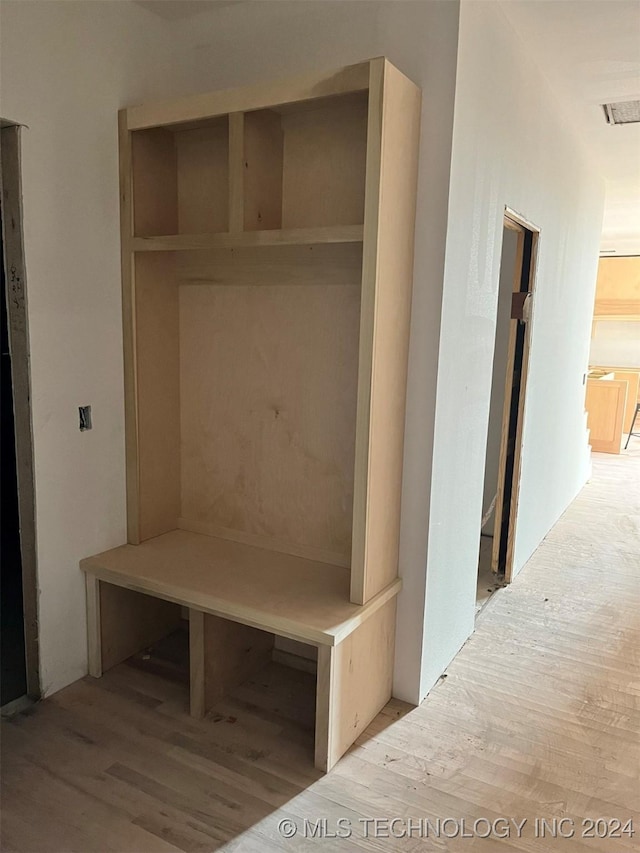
x=280, y=593
x=327, y=264
x=127, y=262
x=632, y=378
x=618, y=287
x=232, y=654
x=323, y=177
x=236, y=172
x=203, y=179
x=94, y=632
x=157, y=384
x=268, y=439
x=262, y=170
x=286, y=237
x=387, y=278
x=306, y=87
x=605, y=402
x=153, y=169
x=130, y=622
x=197, y=703
x=538, y=716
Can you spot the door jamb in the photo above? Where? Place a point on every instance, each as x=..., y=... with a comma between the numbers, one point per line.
x=524, y=280
x=17, y=320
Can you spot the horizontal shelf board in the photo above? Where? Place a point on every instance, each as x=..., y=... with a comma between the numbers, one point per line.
x=281, y=593
x=243, y=239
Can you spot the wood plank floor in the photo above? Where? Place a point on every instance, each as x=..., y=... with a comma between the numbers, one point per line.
x=538, y=717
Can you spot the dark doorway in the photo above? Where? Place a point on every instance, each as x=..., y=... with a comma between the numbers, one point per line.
x=12, y=652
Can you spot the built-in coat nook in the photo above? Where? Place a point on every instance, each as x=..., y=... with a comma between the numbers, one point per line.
x=267, y=252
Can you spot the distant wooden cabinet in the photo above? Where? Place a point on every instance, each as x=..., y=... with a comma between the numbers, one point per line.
x=605, y=403
x=267, y=252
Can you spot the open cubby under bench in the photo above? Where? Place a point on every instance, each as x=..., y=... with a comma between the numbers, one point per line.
x=267, y=258
x=239, y=597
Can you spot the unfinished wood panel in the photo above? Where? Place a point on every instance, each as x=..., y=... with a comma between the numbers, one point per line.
x=286, y=595
x=236, y=172
x=392, y=165
x=307, y=237
x=358, y=674
x=263, y=153
x=232, y=653
x=18, y=338
x=94, y=630
x=127, y=263
x=605, y=404
x=155, y=200
x=618, y=286
x=157, y=386
x=351, y=78
x=324, y=164
x=632, y=377
x=197, y=705
x=203, y=179
x=268, y=383
x=131, y=621
x=339, y=264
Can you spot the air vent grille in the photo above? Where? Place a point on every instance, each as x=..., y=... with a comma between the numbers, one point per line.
x=624, y=112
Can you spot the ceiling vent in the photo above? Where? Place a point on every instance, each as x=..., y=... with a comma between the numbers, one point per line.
x=624, y=112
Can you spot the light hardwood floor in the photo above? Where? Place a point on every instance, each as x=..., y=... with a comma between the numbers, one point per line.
x=538, y=716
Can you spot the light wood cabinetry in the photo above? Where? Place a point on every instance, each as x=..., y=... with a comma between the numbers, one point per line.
x=267, y=251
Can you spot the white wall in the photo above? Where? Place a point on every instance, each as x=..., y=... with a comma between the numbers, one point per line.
x=66, y=68
x=499, y=372
x=511, y=147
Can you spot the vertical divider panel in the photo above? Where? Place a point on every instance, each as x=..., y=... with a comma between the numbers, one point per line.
x=128, y=331
x=262, y=164
x=389, y=226
x=236, y=171
x=359, y=551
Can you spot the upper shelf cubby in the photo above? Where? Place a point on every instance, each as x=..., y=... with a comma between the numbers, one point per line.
x=300, y=166
x=181, y=179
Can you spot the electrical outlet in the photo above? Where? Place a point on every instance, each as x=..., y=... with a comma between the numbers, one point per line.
x=85, y=418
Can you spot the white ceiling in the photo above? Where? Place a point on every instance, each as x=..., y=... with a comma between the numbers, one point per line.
x=589, y=50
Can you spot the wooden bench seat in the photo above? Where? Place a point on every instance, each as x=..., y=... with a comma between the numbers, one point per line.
x=239, y=598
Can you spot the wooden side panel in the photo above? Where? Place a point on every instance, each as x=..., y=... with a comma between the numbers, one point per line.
x=267, y=438
x=155, y=208
x=605, y=404
x=196, y=663
x=324, y=165
x=392, y=168
x=353, y=684
x=131, y=621
x=203, y=179
x=158, y=393
x=263, y=151
x=236, y=172
x=632, y=377
x=232, y=653
x=618, y=286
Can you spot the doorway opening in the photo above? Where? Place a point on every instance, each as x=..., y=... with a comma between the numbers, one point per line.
x=506, y=412
x=20, y=678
